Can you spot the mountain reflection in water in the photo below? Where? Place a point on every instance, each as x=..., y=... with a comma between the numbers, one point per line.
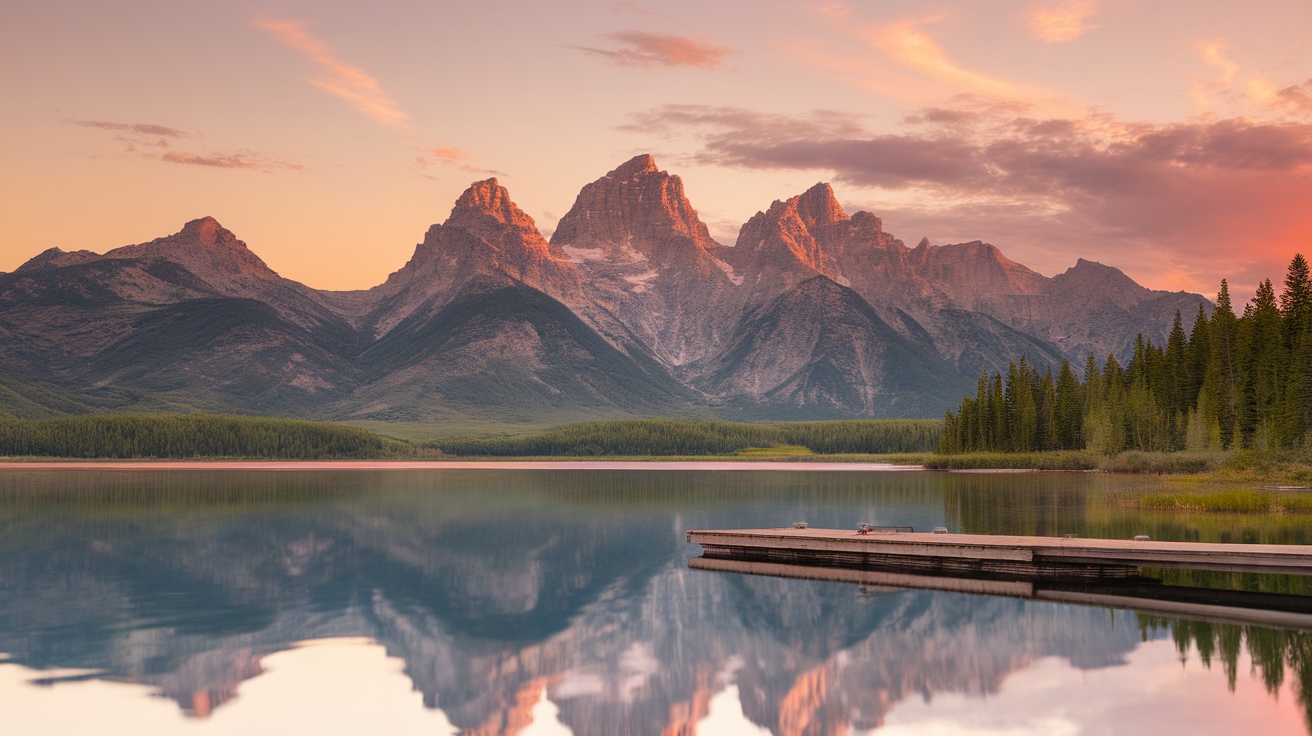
x=514, y=596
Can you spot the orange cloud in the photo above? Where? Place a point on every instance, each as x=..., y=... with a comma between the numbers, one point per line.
x=1214, y=53
x=906, y=44
x=339, y=79
x=647, y=50
x=1063, y=22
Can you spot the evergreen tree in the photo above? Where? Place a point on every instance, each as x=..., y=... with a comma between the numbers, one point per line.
x=1197, y=354
x=999, y=440
x=1024, y=425
x=1046, y=406
x=1263, y=358
x=1296, y=300
x=1068, y=412
x=1219, y=377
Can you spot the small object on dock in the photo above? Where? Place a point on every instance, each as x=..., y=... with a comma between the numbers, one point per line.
x=1072, y=536
x=940, y=530
x=863, y=528
x=1142, y=538
x=800, y=525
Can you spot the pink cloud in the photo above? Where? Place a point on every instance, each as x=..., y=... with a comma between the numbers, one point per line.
x=338, y=78
x=646, y=50
x=450, y=156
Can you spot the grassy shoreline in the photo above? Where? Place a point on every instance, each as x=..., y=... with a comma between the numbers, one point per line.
x=225, y=438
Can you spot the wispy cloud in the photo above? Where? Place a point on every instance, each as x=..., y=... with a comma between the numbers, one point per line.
x=142, y=129
x=338, y=78
x=1206, y=92
x=452, y=157
x=146, y=139
x=245, y=160
x=646, y=50
x=1213, y=52
x=135, y=136
x=908, y=45
x=1062, y=22
x=1170, y=200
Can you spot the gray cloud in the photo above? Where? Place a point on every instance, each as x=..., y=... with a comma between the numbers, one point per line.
x=141, y=129
x=230, y=161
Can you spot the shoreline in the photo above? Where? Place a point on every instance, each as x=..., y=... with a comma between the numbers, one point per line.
x=304, y=465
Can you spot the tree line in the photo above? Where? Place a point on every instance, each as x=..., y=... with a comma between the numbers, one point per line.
x=1233, y=380
x=666, y=437
x=189, y=436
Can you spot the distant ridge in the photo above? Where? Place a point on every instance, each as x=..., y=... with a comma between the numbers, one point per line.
x=631, y=309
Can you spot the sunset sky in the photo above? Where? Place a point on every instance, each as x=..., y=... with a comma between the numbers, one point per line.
x=1170, y=139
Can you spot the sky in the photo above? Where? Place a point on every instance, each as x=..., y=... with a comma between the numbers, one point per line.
x=1172, y=140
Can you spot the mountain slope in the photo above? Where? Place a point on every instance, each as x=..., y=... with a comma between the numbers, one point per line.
x=502, y=348
x=820, y=351
x=630, y=309
x=486, y=234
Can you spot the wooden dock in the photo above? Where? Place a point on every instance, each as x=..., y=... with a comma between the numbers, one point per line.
x=994, y=556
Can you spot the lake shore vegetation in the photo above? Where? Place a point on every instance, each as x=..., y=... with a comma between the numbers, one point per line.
x=183, y=436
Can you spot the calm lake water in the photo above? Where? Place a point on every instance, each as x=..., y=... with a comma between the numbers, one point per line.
x=557, y=602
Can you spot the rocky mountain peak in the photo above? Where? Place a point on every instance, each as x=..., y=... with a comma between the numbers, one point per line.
x=784, y=238
x=488, y=198
x=486, y=212
x=209, y=251
x=1096, y=278
x=636, y=166
x=818, y=207
x=636, y=210
x=207, y=232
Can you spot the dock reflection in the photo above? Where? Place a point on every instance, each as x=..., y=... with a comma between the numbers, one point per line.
x=1146, y=595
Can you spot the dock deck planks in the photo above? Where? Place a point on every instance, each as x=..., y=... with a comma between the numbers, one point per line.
x=995, y=554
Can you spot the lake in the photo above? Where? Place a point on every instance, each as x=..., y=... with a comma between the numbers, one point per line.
x=538, y=601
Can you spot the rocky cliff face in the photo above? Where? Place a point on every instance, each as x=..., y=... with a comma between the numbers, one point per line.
x=631, y=308
x=967, y=302
x=645, y=257
x=485, y=235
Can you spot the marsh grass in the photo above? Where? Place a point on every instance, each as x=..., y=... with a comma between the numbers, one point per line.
x=1228, y=501
x=1058, y=460
x=790, y=450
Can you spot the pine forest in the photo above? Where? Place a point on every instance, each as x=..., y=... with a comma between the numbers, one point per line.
x=1232, y=381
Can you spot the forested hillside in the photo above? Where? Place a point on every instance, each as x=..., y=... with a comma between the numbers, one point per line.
x=667, y=437
x=189, y=436
x=1234, y=380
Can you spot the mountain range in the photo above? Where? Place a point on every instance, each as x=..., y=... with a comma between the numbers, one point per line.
x=631, y=308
